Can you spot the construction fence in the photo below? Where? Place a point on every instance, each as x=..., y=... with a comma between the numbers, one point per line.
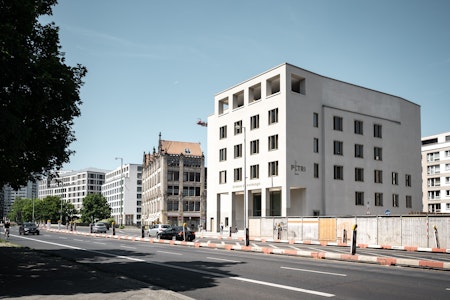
x=431, y=231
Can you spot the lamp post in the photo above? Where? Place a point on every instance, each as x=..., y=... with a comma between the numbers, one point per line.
x=121, y=190
x=247, y=242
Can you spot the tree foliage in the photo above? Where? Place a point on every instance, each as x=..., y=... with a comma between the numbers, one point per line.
x=39, y=93
x=45, y=209
x=95, y=206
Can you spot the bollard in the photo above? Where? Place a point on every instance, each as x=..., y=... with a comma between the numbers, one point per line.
x=436, y=237
x=90, y=227
x=344, y=236
x=143, y=231
x=247, y=237
x=353, y=247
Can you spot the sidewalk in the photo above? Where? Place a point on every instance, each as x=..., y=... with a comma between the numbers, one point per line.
x=31, y=274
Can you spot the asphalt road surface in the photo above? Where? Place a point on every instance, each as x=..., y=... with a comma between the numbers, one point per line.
x=219, y=274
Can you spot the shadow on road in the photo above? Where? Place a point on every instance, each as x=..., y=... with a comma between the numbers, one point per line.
x=26, y=272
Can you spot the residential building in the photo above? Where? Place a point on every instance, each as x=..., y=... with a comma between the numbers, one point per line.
x=173, y=183
x=9, y=195
x=436, y=173
x=123, y=191
x=300, y=144
x=73, y=186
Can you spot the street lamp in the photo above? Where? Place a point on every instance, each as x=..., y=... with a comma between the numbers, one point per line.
x=121, y=190
x=247, y=242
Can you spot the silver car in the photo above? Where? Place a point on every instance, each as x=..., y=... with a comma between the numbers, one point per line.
x=153, y=230
x=99, y=228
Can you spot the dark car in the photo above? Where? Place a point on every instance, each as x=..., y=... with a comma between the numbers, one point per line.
x=28, y=228
x=177, y=233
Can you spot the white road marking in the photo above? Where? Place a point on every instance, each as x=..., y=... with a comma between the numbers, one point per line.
x=280, y=286
x=99, y=243
x=313, y=271
x=221, y=259
x=128, y=247
x=295, y=248
x=78, y=240
x=167, y=252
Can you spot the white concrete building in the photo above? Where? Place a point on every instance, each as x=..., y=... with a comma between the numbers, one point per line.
x=301, y=144
x=123, y=191
x=436, y=173
x=73, y=186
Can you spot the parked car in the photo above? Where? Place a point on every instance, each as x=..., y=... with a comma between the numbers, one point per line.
x=28, y=228
x=106, y=224
x=177, y=232
x=99, y=227
x=153, y=230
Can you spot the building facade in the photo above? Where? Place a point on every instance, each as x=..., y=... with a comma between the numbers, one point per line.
x=73, y=186
x=8, y=196
x=173, y=182
x=123, y=191
x=436, y=173
x=290, y=142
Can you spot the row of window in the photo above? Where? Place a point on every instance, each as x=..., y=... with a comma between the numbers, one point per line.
x=174, y=205
x=378, y=199
x=338, y=174
x=254, y=92
x=254, y=123
x=192, y=191
x=187, y=176
x=435, y=156
x=254, y=172
x=358, y=125
x=436, y=181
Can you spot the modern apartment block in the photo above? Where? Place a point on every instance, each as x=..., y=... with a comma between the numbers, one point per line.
x=8, y=196
x=436, y=173
x=173, y=182
x=73, y=186
x=123, y=191
x=301, y=144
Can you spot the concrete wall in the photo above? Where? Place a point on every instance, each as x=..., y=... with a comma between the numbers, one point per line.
x=414, y=231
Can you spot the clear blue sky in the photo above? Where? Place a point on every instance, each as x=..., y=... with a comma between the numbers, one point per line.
x=155, y=66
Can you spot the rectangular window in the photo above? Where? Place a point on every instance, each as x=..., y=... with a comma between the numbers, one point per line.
x=273, y=85
x=223, y=106
x=254, y=93
x=315, y=120
x=297, y=84
x=223, y=154
x=238, y=127
x=316, y=170
x=338, y=148
x=337, y=123
x=378, y=199
x=359, y=127
x=223, y=132
x=254, y=122
x=254, y=147
x=407, y=180
x=238, y=174
x=238, y=99
x=316, y=145
x=395, y=200
x=237, y=151
x=359, y=151
x=273, y=116
x=377, y=130
x=273, y=168
x=254, y=171
x=339, y=172
x=359, y=174
x=408, y=202
x=273, y=142
x=377, y=153
x=222, y=177
x=378, y=176
x=394, y=178
x=359, y=198
x=275, y=203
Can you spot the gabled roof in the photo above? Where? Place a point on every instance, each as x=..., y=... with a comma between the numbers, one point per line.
x=177, y=148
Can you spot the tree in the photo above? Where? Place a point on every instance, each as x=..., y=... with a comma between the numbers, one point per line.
x=39, y=94
x=95, y=206
x=45, y=209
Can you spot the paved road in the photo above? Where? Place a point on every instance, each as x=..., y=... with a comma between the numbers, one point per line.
x=203, y=273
